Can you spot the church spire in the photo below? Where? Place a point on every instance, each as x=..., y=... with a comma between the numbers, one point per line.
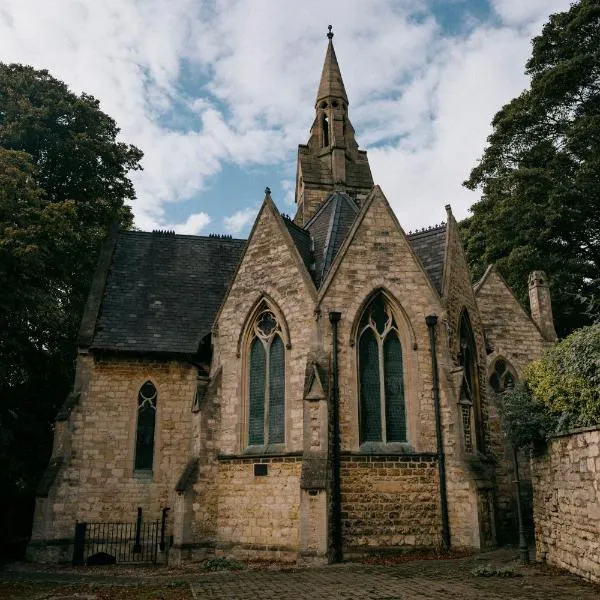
x=331, y=160
x=331, y=85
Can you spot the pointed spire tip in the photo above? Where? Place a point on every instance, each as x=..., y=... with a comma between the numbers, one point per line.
x=330, y=33
x=267, y=191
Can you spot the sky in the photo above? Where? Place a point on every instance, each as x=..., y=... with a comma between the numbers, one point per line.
x=219, y=93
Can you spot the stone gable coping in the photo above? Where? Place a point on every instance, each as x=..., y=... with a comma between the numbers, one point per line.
x=269, y=205
x=376, y=192
x=492, y=269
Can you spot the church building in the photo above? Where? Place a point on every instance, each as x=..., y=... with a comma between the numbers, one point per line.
x=325, y=389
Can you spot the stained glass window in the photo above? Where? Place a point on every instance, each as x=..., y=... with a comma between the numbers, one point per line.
x=502, y=377
x=146, y=420
x=381, y=377
x=469, y=393
x=266, y=371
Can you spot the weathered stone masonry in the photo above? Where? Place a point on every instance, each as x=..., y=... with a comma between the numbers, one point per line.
x=566, y=502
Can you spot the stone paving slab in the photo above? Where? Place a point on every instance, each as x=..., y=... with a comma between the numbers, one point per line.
x=449, y=579
x=417, y=581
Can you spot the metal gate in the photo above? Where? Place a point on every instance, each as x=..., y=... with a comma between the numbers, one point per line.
x=109, y=543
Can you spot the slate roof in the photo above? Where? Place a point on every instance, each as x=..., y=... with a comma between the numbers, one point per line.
x=163, y=291
x=302, y=241
x=328, y=229
x=429, y=246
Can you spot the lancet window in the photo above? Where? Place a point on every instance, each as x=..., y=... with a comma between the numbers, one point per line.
x=146, y=422
x=381, y=377
x=502, y=377
x=470, y=401
x=266, y=375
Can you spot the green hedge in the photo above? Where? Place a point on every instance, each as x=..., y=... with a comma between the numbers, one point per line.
x=561, y=391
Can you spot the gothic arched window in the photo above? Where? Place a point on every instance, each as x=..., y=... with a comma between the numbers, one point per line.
x=266, y=372
x=502, y=377
x=470, y=401
x=146, y=421
x=381, y=378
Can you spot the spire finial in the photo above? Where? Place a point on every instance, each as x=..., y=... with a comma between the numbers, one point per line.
x=330, y=34
x=267, y=191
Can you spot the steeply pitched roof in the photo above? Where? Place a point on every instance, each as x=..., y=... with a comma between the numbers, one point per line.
x=302, y=241
x=163, y=291
x=328, y=229
x=331, y=83
x=429, y=246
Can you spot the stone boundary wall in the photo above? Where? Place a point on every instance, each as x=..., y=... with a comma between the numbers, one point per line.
x=566, y=502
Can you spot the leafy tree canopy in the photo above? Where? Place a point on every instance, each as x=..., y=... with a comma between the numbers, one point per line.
x=63, y=181
x=540, y=172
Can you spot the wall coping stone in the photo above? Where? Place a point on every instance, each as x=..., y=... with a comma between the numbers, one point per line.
x=574, y=431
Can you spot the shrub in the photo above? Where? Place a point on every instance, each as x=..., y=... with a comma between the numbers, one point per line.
x=566, y=381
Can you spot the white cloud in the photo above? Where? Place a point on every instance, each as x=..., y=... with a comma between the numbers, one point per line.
x=240, y=219
x=421, y=102
x=194, y=224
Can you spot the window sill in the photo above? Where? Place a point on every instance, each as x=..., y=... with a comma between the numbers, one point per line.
x=383, y=448
x=265, y=450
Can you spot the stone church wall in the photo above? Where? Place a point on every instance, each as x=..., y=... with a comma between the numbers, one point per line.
x=392, y=500
x=389, y=501
x=566, y=503
x=259, y=515
x=98, y=482
x=512, y=336
x=470, y=476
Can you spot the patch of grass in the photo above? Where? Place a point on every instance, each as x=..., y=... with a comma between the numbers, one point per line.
x=490, y=570
x=220, y=563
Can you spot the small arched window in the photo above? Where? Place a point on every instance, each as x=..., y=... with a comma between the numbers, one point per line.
x=381, y=377
x=470, y=402
x=266, y=372
x=325, y=125
x=502, y=377
x=146, y=422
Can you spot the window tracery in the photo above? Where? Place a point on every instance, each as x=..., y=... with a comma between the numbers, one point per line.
x=146, y=422
x=502, y=377
x=266, y=370
x=381, y=378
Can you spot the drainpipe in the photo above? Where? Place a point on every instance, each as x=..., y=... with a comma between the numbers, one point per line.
x=523, y=548
x=336, y=554
x=431, y=321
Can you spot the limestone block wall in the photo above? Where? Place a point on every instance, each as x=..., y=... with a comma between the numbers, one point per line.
x=509, y=330
x=566, y=503
x=379, y=256
x=98, y=481
x=258, y=515
x=389, y=501
x=513, y=337
x=269, y=271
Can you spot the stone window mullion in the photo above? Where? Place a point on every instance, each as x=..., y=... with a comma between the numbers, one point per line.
x=267, y=345
x=382, y=404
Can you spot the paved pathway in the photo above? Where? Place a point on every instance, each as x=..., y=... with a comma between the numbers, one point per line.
x=447, y=580
x=418, y=580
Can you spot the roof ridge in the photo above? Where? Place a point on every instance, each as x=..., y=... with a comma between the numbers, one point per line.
x=161, y=233
x=427, y=230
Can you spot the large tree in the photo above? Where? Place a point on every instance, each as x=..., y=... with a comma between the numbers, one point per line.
x=540, y=172
x=63, y=181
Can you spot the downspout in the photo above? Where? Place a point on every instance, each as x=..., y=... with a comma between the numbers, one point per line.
x=431, y=321
x=336, y=554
